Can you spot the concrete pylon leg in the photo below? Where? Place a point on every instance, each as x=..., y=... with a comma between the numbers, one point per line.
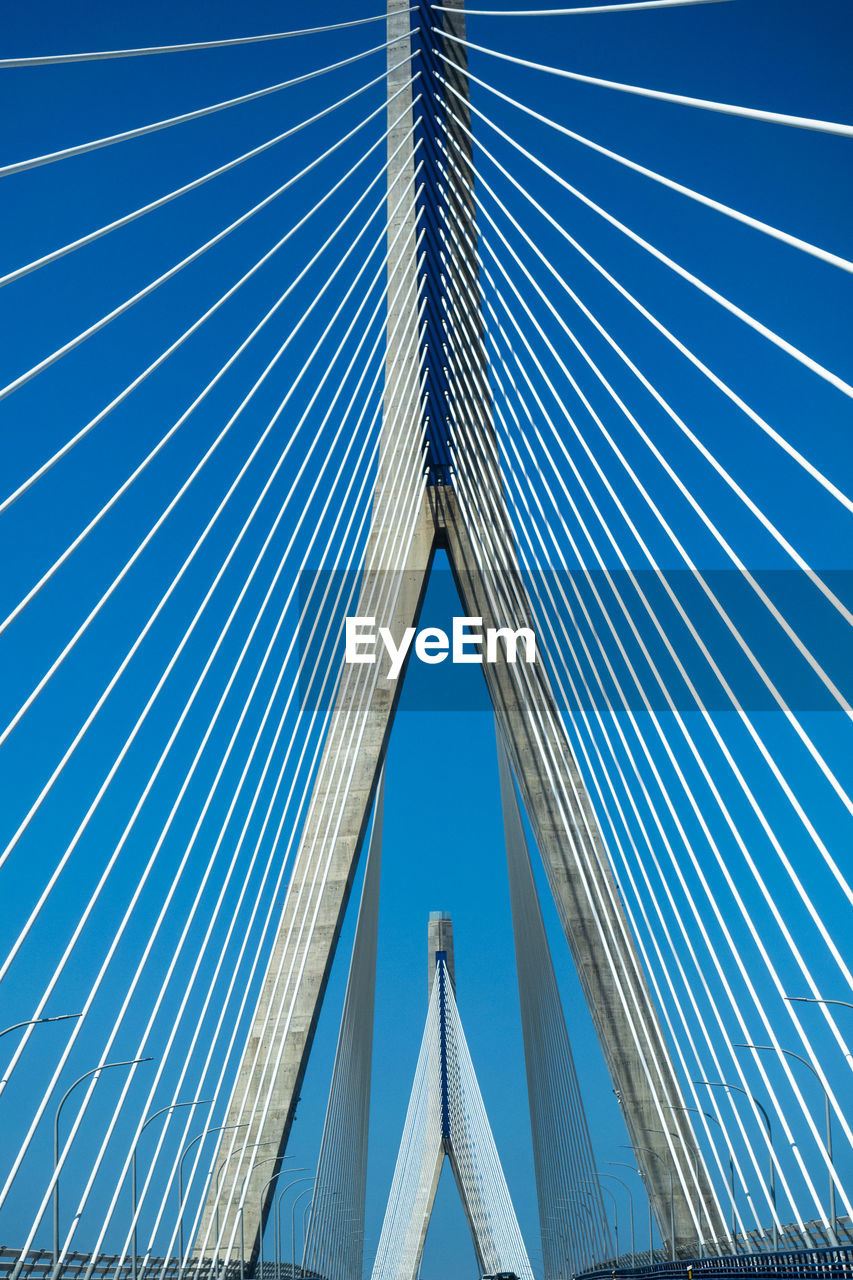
x=395, y=576
x=276, y=1053
x=584, y=889
x=477, y=531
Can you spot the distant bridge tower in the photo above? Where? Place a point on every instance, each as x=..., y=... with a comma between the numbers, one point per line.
x=446, y=1119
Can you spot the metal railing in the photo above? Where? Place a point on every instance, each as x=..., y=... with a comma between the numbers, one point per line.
x=833, y=1262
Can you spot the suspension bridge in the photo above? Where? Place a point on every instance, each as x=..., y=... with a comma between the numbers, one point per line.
x=528, y=326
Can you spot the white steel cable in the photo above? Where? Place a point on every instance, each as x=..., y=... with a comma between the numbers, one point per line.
x=258, y=502
x=403, y=541
x=749, y=113
x=342, y=1176
x=777, y=773
x=138, y=470
x=523, y=528
x=96, y=144
x=710, y=1042
x=553, y=1088
x=487, y=517
x=290, y=844
x=822, y=848
x=511, y=442
x=352, y=711
x=795, y=242
x=127, y=218
x=741, y=404
x=223, y=763
x=106, y=319
x=60, y=1064
x=274, y=845
x=793, y=636
x=53, y=59
x=662, y=1116
x=759, y=669
x=576, y=11
x=638, y=775
x=57, y=662
x=753, y=508
x=479, y=1165
x=292, y=742
x=789, y=348
x=235, y=798
x=419, y=1146
x=99, y=417
x=62, y=861
x=797, y=1092
x=747, y=856
x=577, y=701
x=297, y=632
x=556, y=781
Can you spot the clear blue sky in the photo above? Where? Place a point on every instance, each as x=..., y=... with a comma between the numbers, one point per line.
x=443, y=846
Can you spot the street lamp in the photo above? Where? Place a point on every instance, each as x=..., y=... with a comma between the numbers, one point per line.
x=105, y=1066
x=252, y=1147
x=622, y=1165
x=293, y=1183
x=257, y=1165
x=34, y=1022
x=582, y=1235
x=651, y=1151
x=708, y=1116
x=816, y=1000
x=791, y=1054
x=590, y=1183
x=196, y=1102
x=695, y=1152
x=723, y=1084
x=630, y=1210
x=296, y=1200
x=216, y=1129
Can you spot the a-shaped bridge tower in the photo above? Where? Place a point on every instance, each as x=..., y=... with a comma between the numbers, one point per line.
x=446, y=1119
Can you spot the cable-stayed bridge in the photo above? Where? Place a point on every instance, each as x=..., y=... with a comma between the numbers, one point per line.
x=304, y=318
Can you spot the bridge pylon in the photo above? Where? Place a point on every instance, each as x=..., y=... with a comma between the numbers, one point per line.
x=410, y=520
x=446, y=1120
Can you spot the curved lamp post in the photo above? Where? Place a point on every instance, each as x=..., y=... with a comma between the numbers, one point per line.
x=612, y=1195
x=285, y=1189
x=196, y=1102
x=252, y=1147
x=296, y=1200
x=623, y=1165
x=105, y=1066
x=708, y=1116
x=832, y=1211
x=588, y=1208
x=724, y=1084
x=215, y=1129
x=658, y=1156
x=34, y=1022
x=257, y=1164
x=693, y=1148
x=816, y=1000
x=630, y=1210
